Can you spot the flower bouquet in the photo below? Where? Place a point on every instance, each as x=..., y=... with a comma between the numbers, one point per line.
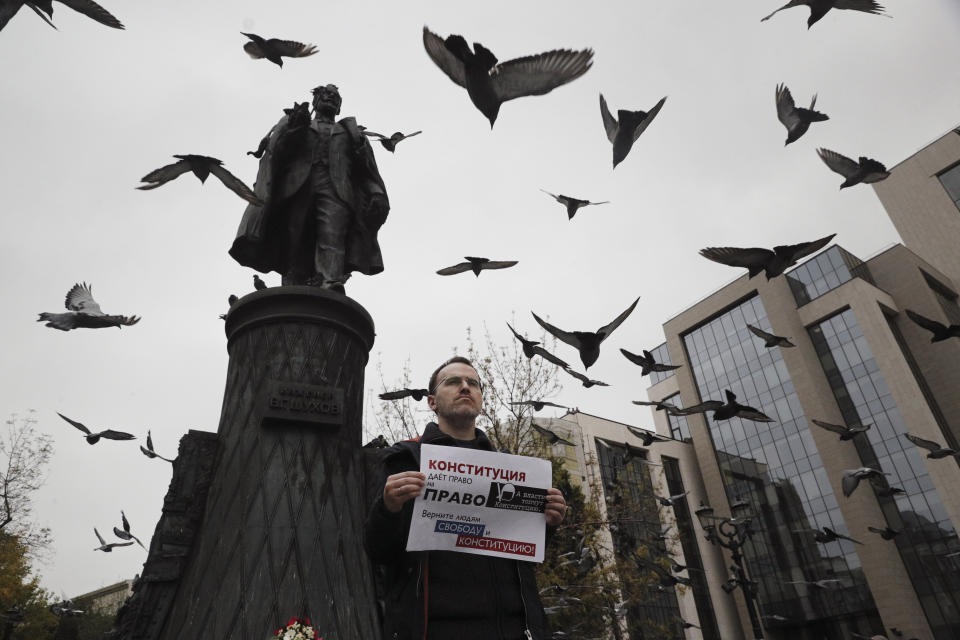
x=296, y=629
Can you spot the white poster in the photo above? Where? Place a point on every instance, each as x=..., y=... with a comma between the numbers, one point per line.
x=481, y=502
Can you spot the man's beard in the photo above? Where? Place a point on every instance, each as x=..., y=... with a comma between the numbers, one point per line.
x=458, y=413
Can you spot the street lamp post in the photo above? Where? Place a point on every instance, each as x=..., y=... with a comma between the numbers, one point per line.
x=732, y=534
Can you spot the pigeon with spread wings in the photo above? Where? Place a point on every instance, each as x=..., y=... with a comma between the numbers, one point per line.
x=399, y=394
x=587, y=342
x=476, y=265
x=572, y=204
x=149, y=452
x=587, y=382
x=390, y=142
x=939, y=330
x=202, y=167
x=936, y=450
x=94, y=438
x=729, y=409
x=796, y=120
x=124, y=534
x=551, y=437
x=107, y=548
x=84, y=313
x=647, y=362
x=274, y=49
x=89, y=8
x=490, y=83
x=851, y=478
x=531, y=348
x=769, y=339
x=866, y=170
x=819, y=8
x=773, y=262
x=845, y=432
x=624, y=130
x=538, y=405
x=647, y=437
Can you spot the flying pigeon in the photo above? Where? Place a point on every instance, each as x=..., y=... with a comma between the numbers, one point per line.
x=89, y=8
x=672, y=501
x=272, y=49
x=202, y=167
x=818, y=584
x=572, y=204
x=797, y=121
x=587, y=382
x=416, y=394
x=676, y=567
x=936, y=450
x=773, y=262
x=586, y=342
x=390, y=143
x=729, y=409
x=825, y=535
x=538, y=405
x=550, y=436
x=84, y=312
x=624, y=130
x=125, y=534
x=647, y=362
x=866, y=170
x=886, y=533
x=149, y=452
x=379, y=442
x=846, y=433
x=476, y=265
x=819, y=8
x=939, y=330
x=94, y=438
x=107, y=548
x=660, y=405
x=531, y=348
x=490, y=83
x=852, y=477
x=648, y=437
x=770, y=340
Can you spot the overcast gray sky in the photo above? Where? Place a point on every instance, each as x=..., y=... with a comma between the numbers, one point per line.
x=87, y=111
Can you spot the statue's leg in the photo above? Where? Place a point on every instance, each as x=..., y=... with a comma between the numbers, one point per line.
x=332, y=219
x=297, y=258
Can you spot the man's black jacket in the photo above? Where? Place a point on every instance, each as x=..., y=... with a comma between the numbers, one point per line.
x=465, y=596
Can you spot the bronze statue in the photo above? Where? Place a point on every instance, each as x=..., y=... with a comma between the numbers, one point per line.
x=323, y=199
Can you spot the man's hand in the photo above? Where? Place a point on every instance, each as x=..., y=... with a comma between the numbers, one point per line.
x=404, y=486
x=556, y=507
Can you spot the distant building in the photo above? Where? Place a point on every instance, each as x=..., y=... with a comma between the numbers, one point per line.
x=106, y=600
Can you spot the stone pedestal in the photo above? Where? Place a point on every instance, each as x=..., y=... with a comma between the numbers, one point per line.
x=281, y=534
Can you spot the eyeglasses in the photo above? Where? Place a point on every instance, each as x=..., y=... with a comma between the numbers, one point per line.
x=454, y=382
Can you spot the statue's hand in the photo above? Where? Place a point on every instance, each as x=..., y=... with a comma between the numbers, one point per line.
x=299, y=116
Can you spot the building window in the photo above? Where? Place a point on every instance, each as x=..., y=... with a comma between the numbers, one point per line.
x=950, y=179
x=825, y=273
x=661, y=355
x=679, y=428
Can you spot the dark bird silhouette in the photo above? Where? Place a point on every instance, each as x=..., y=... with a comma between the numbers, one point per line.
x=819, y=8
x=572, y=204
x=587, y=382
x=490, y=83
x=889, y=492
x=124, y=534
x=84, y=313
x=531, y=348
x=89, y=8
x=670, y=502
x=647, y=362
x=676, y=567
x=550, y=436
x=65, y=609
x=825, y=535
x=587, y=342
x=377, y=443
x=796, y=120
x=818, y=584
x=729, y=409
x=232, y=300
x=94, y=438
x=258, y=283
x=647, y=437
x=538, y=405
x=476, y=265
x=660, y=405
x=939, y=330
x=273, y=49
x=665, y=578
x=202, y=167
x=688, y=625
x=867, y=170
x=107, y=548
x=390, y=143
x=149, y=452
x=770, y=340
x=755, y=259
x=886, y=533
x=846, y=433
x=852, y=477
x=936, y=450
x=416, y=394
x=624, y=130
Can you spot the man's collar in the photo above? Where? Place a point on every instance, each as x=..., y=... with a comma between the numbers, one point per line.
x=433, y=435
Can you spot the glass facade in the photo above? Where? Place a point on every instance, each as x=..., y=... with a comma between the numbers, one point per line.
x=927, y=534
x=776, y=468
x=824, y=273
x=679, y=428
x=691, y=553
x=633, y=509
x=661, y=355
x=950, y=179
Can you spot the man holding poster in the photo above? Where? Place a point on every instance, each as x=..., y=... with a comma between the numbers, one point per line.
x=484, y=506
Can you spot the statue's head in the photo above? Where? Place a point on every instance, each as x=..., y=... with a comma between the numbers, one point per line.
x=326, y=98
